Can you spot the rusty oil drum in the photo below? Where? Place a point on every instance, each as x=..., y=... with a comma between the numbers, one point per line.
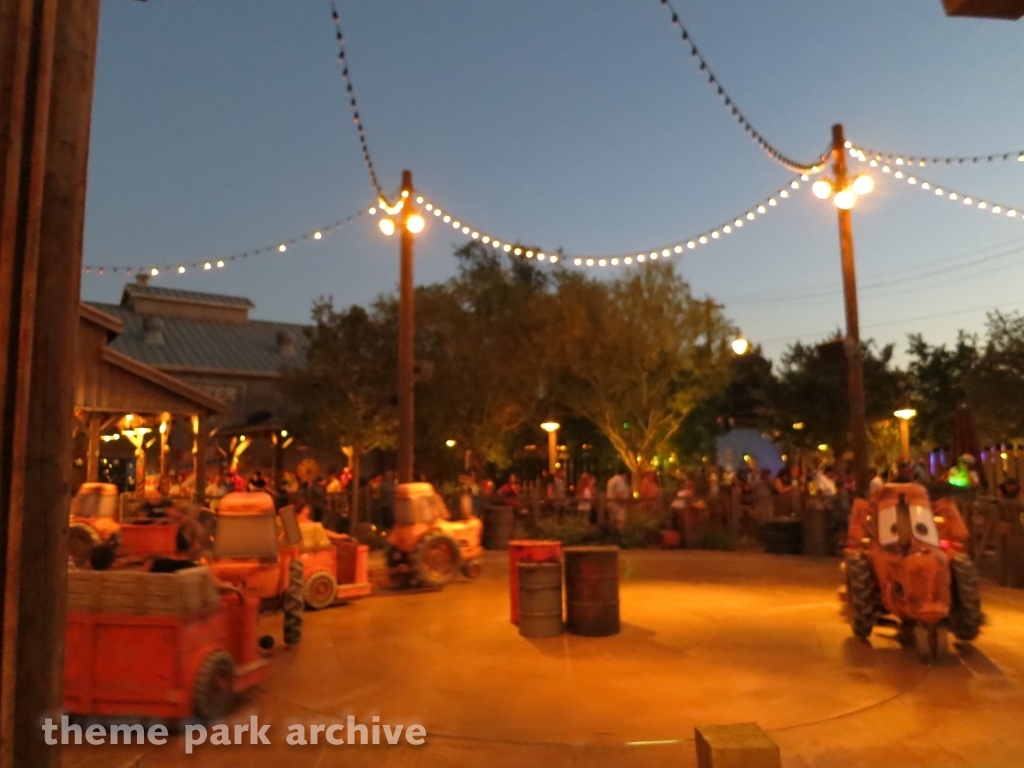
x=592, y=590
x=540, y=599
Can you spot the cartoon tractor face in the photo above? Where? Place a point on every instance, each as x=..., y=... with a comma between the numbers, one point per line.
x=905, y=568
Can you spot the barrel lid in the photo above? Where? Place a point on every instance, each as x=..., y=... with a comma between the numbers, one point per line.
x=593, y=548
x=534, y=542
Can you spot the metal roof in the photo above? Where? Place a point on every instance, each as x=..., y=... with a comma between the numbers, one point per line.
x=205, y=345
x=132, y=290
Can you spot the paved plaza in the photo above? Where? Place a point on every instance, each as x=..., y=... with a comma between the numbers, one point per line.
x=706, y=638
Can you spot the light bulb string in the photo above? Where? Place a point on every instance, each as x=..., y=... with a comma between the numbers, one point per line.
x=940, y=190
x=921, y=161
x=433, y=212
x=728, y=102
x=214, y=264
x=351, y=93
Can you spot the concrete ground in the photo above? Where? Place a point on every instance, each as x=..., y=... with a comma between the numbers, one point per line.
x=706, y=638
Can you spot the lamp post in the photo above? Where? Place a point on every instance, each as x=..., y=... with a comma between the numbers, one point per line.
x=844, y=195
x=410, y=223
x=905, y=415
x=552, y=427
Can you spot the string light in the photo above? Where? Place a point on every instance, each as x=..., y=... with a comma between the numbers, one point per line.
x=974, y=201
x=208, y=265
x=727, y=101
x=662, y=252
x=917, y=161
x=346, y=75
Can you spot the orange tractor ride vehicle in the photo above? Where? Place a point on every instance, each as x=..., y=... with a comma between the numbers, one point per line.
x=166, y=645
x=425, y=548
x=95, y=519
x=905, y=567
x=300, y=564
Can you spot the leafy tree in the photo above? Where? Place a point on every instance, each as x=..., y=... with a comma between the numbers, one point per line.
x=344, y=398
x=640, y=352
x=994, y=382
x=937, y=380
x=484, y=349
x=811, y=390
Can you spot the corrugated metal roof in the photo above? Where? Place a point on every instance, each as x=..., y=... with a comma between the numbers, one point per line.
x=194, y=297
x=250, y=347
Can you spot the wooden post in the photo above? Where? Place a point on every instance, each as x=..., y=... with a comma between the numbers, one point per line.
x=47, y=62
x=854, y=361
x=353, y=512
x=406, y=343
x=92, y=459
x=199, y=457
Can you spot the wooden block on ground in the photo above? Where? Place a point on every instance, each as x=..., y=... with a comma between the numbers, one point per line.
x=743, y=745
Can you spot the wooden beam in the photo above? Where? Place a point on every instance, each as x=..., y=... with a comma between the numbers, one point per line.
x=92, y=460
x=47, y=63
x=986, y=9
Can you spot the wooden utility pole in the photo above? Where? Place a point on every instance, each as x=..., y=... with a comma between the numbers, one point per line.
x=47, y=64
x=406, y=342
x=854, y=357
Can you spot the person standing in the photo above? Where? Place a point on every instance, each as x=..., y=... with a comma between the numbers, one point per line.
x=618, y=491
x=585, y=497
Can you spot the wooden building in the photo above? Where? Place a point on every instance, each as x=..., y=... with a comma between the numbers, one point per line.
x=117, y=396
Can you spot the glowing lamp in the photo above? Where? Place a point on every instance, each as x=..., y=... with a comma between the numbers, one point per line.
x=387, y=226
x=905, y=413
x=550, y=426
x=844, y=199
x=822, y=189
x=740, y=346
x=863, y=185
x=415, y=223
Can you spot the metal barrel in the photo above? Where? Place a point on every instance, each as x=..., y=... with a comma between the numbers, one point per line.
x=540, y=599
x=498, y=523
x=782, y=537
x=592, y=590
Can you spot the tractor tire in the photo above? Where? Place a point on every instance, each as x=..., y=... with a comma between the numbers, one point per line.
x=863, y=595
x=81, y=540
x=965, y=617
x=319, y=591
x=214, y=693
x=436, y=560
x=292, y=603
x=393, y=555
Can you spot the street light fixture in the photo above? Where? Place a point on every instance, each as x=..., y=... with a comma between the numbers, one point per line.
x=552, y=427
x=740, y=346
x=905, y=415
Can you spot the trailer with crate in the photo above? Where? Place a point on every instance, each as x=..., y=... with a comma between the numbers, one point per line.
x=165, y=645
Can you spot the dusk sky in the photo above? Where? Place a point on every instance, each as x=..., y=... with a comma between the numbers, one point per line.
x=222, y=127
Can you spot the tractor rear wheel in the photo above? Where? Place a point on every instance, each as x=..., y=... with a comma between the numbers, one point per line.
x=965, y=617
x=215, y=686
x=436, y=560
x=863, y=594
x=291, y=603
x=319, y=590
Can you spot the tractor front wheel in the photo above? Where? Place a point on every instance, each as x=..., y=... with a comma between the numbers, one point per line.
x=436, y=560
x=863, y=595
x=320, y=590
x=292, y=601
x=215, y=686
x=965, y=617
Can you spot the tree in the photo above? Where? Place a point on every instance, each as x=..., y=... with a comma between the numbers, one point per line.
x=640, y=352
x=994, y=382
x=345, y=395
x=811, y=391
x=937, y=380
x=483, y=343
